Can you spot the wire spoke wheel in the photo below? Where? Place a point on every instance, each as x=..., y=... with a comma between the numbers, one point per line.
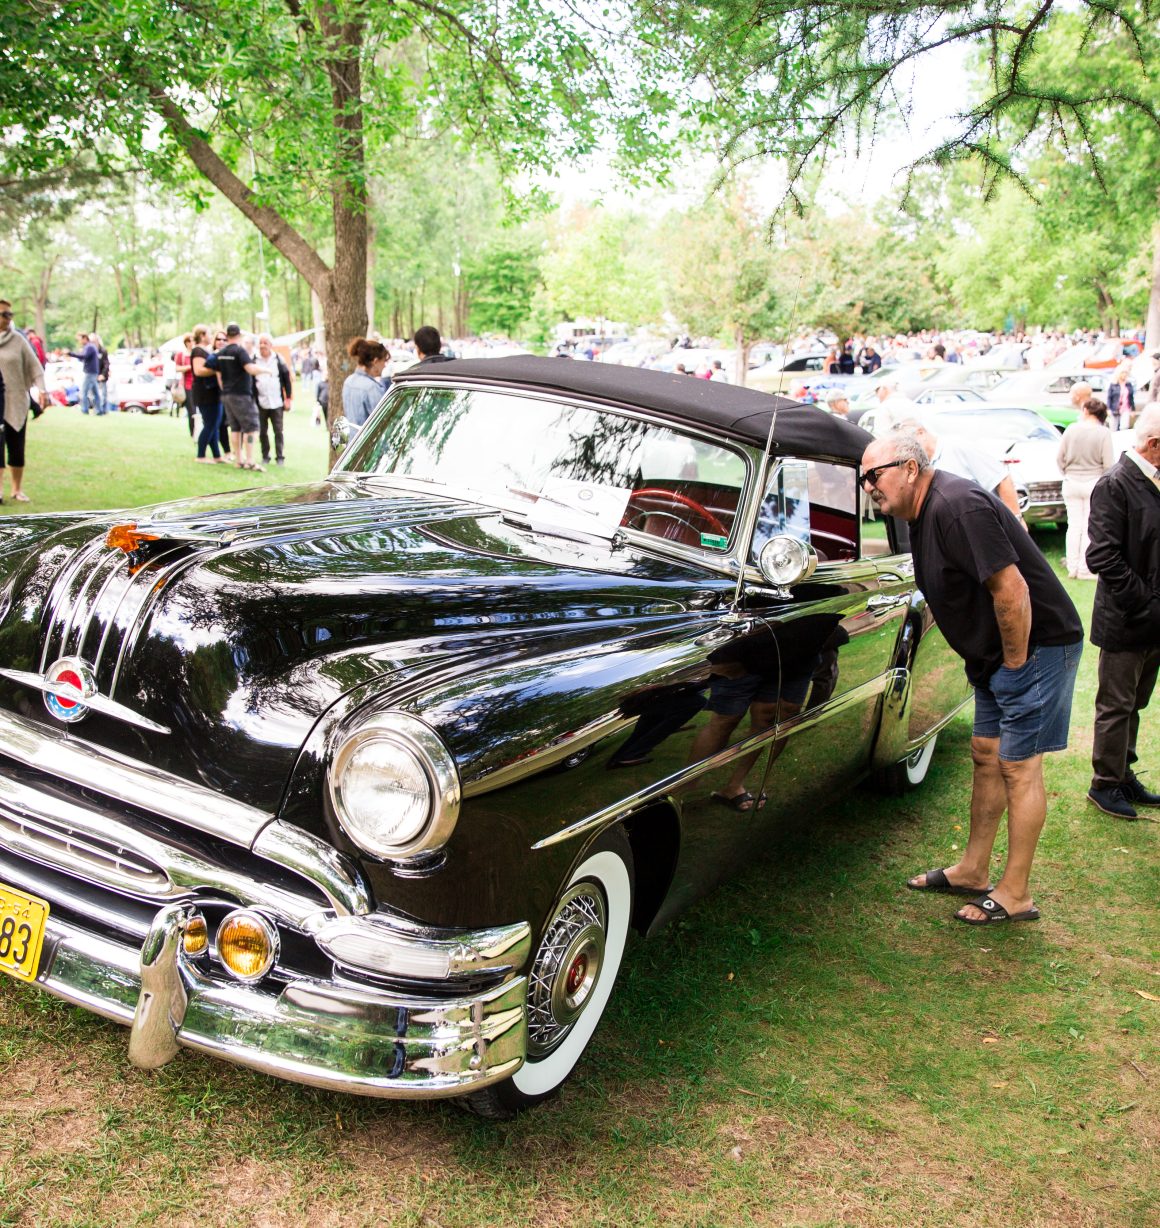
x=571, y=977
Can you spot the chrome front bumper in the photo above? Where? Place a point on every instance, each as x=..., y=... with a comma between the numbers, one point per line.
x=332, y=1034
x=120, y=896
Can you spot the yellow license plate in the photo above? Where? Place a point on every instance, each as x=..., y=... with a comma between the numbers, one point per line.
x=22, y=919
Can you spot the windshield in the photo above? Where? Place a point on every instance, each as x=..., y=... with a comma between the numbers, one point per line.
x=556, y=465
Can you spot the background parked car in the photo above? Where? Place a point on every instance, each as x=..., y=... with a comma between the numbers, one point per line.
x=1048, y=392
x=1022, y=439
x=138, y=391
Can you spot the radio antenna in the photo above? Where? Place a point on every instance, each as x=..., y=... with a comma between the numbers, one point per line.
x=768, y=456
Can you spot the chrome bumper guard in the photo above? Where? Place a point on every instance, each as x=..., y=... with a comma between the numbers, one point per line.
x=331, y=1034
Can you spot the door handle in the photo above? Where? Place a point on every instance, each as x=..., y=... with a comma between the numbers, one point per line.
x=881, y=602
x=724, y=633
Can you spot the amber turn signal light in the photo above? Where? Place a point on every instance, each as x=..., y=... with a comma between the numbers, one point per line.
x=196, y=938
x=127, y=537
x=247, y=944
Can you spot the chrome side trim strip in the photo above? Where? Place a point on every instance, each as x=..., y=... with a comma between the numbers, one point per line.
x=678, y=780
x=555, y=752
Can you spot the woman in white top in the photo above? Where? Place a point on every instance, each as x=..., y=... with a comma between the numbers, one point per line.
x=1085, y=452
x=364, y=388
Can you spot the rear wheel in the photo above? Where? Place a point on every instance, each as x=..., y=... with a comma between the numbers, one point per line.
x=571, y=978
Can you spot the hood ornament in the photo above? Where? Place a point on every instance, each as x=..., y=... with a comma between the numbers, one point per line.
x=69, y=687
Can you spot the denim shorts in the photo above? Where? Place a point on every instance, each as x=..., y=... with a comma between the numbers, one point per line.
x=1029, y=709
x=732, y=696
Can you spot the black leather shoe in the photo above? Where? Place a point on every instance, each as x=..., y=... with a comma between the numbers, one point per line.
x=1135, y=792
x=1112, y=801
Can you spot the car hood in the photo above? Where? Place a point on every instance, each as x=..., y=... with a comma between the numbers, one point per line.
x=237, y=620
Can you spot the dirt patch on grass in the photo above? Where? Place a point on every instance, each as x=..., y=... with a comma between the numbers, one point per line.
x=49, y=1111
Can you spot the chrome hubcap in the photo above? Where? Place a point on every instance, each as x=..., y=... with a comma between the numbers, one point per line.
x=567, y=968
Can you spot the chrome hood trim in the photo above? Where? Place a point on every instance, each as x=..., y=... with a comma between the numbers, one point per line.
x=96, y=702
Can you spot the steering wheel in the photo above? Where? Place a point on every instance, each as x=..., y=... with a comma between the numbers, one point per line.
x=658, y=492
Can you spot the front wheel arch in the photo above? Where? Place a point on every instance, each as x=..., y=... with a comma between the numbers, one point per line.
x=574, y=937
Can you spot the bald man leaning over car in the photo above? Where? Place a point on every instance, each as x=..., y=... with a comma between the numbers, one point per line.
x=1003, y=610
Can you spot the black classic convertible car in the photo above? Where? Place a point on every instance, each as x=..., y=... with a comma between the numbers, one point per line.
x=362, y=783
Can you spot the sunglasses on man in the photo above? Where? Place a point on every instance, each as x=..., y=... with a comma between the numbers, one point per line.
x=872, y=475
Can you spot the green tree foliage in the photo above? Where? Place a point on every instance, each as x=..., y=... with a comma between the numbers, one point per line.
x=602, y=265
x=794, y=79
x=722, y=279
x=1071, y=246
x=273, y=103
x=502, y=280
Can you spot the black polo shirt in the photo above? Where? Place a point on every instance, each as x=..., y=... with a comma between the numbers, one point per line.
x=962, y=537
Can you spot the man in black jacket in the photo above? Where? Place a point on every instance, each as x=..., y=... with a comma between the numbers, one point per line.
x=1124, y=551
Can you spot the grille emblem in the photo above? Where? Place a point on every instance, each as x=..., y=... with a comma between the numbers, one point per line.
x=69, y=683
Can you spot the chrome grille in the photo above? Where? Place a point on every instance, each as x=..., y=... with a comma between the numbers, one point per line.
x=1045, y=492
x=40, y=826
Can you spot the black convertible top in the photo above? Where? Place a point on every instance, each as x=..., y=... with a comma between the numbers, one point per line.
x=740, y=412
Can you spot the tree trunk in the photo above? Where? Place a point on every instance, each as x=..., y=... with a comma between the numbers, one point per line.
x=341, y=290
x=370, y=277
x=1107, y=309
x=41, y=304
x=741, y=348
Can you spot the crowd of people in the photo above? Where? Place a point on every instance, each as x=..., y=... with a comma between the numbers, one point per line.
x=239, y=392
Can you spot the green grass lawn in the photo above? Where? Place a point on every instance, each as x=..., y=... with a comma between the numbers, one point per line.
x=75, y=460
x=812, y=1045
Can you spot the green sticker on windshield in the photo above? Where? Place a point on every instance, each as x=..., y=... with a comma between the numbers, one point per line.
x=713, y=542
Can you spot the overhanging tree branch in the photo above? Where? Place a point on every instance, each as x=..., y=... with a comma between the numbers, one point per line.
x=271, y=223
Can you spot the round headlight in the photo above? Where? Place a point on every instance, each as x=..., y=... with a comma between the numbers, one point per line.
x=394, y=787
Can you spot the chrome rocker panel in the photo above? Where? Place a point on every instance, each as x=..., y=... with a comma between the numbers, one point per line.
x=334, y=1035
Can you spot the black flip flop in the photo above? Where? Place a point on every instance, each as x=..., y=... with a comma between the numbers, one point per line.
x=936, y=880
x=743, y=803
x=996, y=913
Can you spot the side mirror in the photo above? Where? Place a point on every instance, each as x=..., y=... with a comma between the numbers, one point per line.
x=340, y=432
x=786, y=560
